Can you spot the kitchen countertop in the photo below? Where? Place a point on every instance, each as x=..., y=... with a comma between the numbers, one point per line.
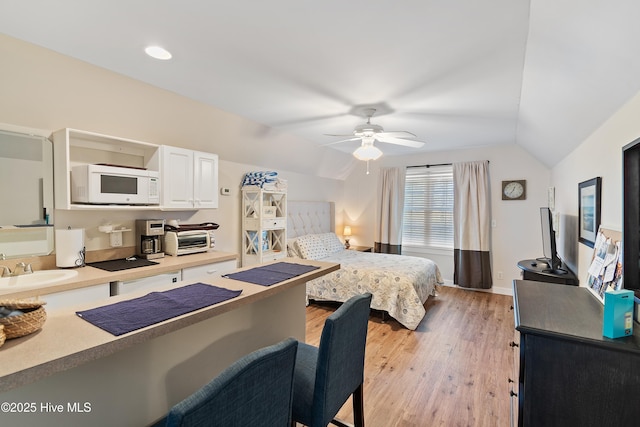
x=88, y=275
x=66, y=340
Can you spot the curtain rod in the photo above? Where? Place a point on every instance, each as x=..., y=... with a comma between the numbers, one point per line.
x=433, y=165
x=428, y=166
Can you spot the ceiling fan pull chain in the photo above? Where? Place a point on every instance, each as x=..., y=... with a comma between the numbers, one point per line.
x=367, y=167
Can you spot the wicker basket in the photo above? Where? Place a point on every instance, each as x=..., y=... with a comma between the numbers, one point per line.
x=3, y=337
x=30, y=321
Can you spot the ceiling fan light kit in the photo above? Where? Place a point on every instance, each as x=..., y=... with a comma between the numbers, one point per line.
x=367, y=152
x=370, y=132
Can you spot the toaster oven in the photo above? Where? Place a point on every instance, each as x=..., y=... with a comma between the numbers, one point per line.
x=187, y=242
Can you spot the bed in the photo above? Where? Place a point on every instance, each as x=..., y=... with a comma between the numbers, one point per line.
x=400, y=284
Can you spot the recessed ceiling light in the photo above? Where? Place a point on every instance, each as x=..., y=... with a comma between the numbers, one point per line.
x=158, y=52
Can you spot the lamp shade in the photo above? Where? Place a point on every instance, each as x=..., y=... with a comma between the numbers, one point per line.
x=367, y=152
x=346, y=231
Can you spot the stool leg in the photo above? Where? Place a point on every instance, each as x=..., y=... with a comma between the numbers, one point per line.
x=358, y=407
x=358, y=410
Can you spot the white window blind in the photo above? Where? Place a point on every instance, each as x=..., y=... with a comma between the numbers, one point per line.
x=428, y=207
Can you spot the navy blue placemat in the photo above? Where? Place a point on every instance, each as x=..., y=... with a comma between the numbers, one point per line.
x=271, y=274
x=127, y=316
x=121, y=264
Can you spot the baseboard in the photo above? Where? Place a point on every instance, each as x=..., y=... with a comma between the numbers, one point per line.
x=493, y=290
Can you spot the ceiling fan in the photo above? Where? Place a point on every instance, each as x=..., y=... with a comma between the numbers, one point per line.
x=370, y=132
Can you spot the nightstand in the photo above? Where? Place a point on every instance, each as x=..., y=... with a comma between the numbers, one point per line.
x=361, y=248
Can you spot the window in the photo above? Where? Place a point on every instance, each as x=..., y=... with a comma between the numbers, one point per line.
x=428, y=207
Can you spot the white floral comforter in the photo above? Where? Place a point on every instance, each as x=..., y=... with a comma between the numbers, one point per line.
x=400, y=284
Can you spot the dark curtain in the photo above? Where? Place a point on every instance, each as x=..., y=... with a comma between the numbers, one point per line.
x=471, y=221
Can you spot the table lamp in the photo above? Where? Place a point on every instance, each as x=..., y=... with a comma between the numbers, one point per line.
x=347, y=234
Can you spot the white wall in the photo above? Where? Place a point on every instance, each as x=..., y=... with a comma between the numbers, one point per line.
x=47, y=91
x=599, y=155
x=516, y=235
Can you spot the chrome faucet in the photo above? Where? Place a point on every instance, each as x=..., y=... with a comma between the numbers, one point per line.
x=22, y=268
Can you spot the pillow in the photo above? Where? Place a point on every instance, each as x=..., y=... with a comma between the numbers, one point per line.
x=292, y=251
x=310, y=246
x=331, y=242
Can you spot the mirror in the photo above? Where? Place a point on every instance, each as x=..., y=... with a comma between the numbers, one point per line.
x=26, y=194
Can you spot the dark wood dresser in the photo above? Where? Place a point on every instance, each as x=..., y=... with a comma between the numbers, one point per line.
x=540, y=271
x=568, y=373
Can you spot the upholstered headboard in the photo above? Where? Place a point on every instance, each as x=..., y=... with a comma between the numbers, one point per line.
x=309, y=218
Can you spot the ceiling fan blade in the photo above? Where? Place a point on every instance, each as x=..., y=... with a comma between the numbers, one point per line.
x=399, y=141
x=342, y=140
x=306, y=120
x=397, y=134
x=334, y=134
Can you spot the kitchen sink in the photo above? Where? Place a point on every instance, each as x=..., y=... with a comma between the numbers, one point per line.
x=36, y=279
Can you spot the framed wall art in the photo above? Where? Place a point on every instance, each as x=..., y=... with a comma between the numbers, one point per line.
x=589, y=210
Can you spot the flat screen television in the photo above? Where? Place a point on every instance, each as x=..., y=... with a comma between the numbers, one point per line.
x=549, y=240
x=631, y=216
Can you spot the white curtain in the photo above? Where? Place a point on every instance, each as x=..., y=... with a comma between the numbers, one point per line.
x=388, y=232
x=471, y=221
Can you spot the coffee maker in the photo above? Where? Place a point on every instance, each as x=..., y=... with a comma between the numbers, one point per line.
x=149, y=236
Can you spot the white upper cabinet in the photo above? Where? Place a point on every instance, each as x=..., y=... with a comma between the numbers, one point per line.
x=205, y=180
x=189, y=179
x=176, y=180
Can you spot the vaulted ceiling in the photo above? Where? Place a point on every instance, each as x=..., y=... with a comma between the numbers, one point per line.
x=542, y=74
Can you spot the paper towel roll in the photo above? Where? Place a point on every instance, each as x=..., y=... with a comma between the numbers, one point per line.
x=70, y=247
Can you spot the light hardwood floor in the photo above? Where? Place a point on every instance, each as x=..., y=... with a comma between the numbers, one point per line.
x=452, y=370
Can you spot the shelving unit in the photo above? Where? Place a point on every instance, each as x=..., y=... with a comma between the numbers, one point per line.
x=264, y=225
x=73, y=147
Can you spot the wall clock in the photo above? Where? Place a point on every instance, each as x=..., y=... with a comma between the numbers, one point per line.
x=514, y=189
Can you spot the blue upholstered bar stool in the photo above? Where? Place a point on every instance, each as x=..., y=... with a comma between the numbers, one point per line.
x=254, y=391
x=327, y=375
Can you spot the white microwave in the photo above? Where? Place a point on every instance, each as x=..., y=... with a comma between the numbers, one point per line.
x=114, y=185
